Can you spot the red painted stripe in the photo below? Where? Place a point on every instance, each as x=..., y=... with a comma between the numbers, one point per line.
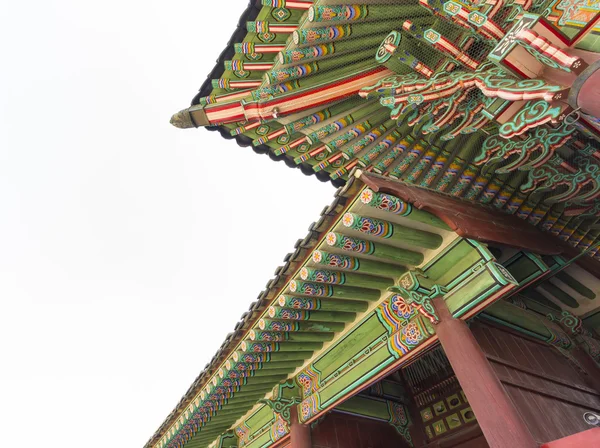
x=250, y=66
x=328, y=86
x=268, y=48
x=256, y=108
x=282, y=29
x=223, y=107
x=298, y=5
x=244, y=84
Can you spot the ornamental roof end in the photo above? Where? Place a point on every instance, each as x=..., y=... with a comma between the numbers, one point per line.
x=191, y=117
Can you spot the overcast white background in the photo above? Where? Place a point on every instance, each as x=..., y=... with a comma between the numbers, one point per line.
x=126, y=252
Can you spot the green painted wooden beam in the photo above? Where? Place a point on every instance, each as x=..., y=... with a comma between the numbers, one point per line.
x=576, y=285
x=287, y=325
x=276, y=312
x=273, y=357
x=278, y=336
x=335, y=291
x=391, y=204
x=265, y=372
x=326, y=34
x=311, y=303
x=538, y=297
x=253, y=387
x=355, y=62
x=392, y=232
x=252, y=347
x=318, y=52
x=384, y=251
x=265, y=365
x=559, y=294
x=343, y=278
x=359, y=13
x=364, y=266
x=242, y=395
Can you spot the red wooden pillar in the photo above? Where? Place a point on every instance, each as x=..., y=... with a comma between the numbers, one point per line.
x=500, y=422
x=299, y=433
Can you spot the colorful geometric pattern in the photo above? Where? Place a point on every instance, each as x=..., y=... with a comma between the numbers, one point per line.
x=335, y=260
x=371, y=226
x=350, y=244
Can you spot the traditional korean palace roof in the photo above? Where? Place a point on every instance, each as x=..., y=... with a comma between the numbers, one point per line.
x=352, y=303
x=492, y=102
x=464, y=137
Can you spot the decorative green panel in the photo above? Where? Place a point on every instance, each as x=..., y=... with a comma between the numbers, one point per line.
x=356, y=374
x=263, y=440
x=518, y=318
x=484, y=281
x=253, y=427
x=271, y=422
x=352, y=343
x=457, y=259
x=228, y=440
x=394, y=413
x=365, y=406
x=259, y=418
x=392, y=389
x=525, y=267
x=389, y=333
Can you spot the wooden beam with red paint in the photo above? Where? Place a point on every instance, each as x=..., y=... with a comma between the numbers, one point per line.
x=289, y=4
x=292, y=102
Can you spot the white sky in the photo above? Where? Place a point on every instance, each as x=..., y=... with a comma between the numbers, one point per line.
x=124, y=258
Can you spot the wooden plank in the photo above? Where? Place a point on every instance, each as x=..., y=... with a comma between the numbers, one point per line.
x=537, y=388
x=527, y=408
x=544, y=375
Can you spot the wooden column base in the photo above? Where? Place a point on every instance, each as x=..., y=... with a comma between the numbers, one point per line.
x=498, y=419
x=300, y=436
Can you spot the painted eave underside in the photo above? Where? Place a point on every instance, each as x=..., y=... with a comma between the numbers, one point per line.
x=303, y=247
x=454, y=167
x=444, y=211
x=252, y=10
x=283, y=274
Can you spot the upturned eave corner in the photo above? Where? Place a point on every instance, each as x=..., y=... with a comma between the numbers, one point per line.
x=192, y=117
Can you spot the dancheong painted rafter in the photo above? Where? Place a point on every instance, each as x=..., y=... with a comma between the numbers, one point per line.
x=464, y=137
x=483, y=102
x=357, y=301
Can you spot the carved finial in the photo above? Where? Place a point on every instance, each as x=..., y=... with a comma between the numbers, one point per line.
x=182, y=119
x=191, y=117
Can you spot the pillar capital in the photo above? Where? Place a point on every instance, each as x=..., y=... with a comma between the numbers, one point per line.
x=286, y=396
